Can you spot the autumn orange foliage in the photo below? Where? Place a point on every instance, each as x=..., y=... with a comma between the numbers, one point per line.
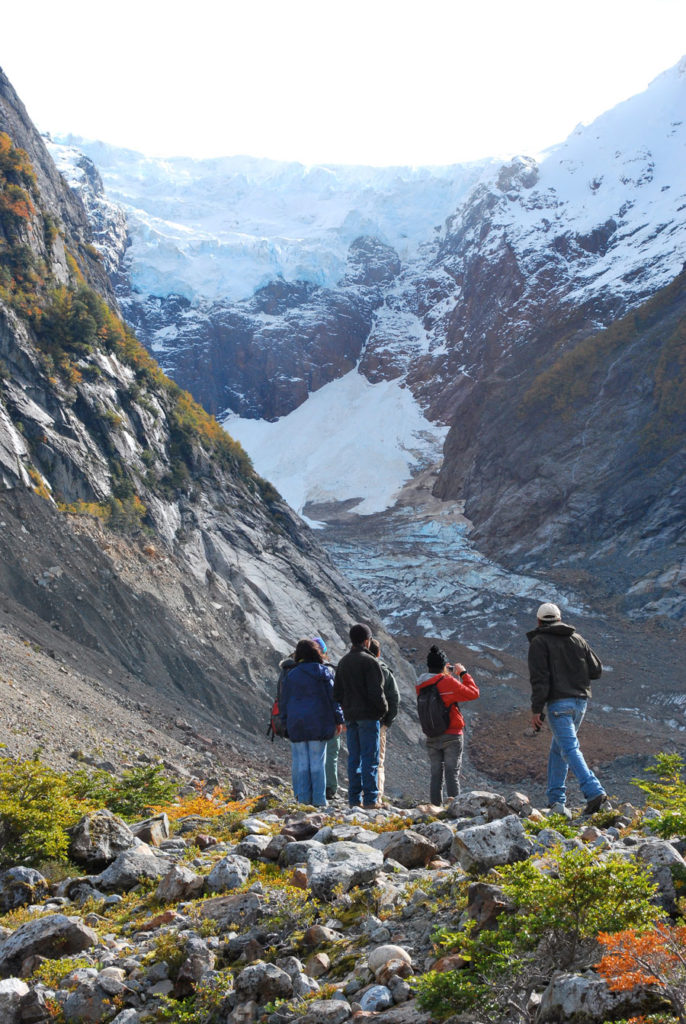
x=656, y=957
x=206, y=805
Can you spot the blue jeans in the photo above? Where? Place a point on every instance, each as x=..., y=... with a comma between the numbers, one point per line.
x=363, y=761
x=564, y=719
x=308, y=772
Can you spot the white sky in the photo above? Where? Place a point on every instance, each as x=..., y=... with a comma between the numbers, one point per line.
x=354, y=81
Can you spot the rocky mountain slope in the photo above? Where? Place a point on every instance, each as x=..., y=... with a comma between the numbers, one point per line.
x=496, y=286
x=133, y=530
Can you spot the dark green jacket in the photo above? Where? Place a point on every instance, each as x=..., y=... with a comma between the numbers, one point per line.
x=391, y=693
x=561, y=665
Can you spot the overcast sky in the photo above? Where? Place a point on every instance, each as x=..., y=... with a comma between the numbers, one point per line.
x=362, y=81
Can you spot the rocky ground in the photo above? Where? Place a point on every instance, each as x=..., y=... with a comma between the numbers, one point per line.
x=266, y=911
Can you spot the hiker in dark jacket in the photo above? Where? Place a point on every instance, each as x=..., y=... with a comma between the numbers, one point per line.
x=311, y=716
x=561, y=667
x=445, y=751
x=392, y=695
x=359, y=690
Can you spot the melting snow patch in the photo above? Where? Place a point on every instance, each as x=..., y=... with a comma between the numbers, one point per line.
x=351, y=440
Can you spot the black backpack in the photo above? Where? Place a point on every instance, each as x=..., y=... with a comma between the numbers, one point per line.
x=434, y=713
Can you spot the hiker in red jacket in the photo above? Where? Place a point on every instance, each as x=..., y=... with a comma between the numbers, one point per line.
x=445, y=751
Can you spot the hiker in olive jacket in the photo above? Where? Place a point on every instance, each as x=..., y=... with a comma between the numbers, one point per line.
x=561, y=667
x=358, y=688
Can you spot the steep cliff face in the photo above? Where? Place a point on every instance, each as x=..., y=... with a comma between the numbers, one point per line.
x=525, y=270
x=580, y=466
x=130, y=523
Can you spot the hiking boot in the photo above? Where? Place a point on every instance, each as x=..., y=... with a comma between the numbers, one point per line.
x=560, y=809
x=597, y=803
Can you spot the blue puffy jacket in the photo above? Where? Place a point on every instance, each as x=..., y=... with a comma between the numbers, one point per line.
x=307, y=705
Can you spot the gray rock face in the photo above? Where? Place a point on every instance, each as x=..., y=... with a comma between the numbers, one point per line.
x=88, y=1003
x=484, y=846
x=52, y=936
x=376, y=998
x=586, y=999
x=12, y=991
x=241, y=909
x=180, y=883
x=477, y=803
x=437, y=832
x=253, y=847
x=152, y=831
x=410, y=849
x=129, y=867
x=346, y=865
x=263, y=982
x=228, y=874
x=21, y=885
x=98, y=839
x=327, y=1011
x=662, y=857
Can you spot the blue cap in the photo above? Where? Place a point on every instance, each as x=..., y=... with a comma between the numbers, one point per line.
x=319, y=642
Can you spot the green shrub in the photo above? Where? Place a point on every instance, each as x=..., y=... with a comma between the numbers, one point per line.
x=556, y=916
x=580, y=896
x=131, y=795
x=666, y=792
x=37, y=805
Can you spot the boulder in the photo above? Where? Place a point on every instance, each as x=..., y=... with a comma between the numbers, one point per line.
x=300, y=851
x=179, y=884
x=662, y=857
x=12, y=992
x=239, y=910
x=440, y=834
x=21, y=886
x=231, y=872
x=152, y=831
x=98, y=839
x=52, y=936
x=253, y=846
x=326, y=1011
x=479, y=803
x=263, y=982
x=382, y=955
x=485, y=903
x=586, y=999
x=410, y=849
x=482, y=847
x=346, y=865
x=376, y=998
x=130, y=866
x=88, y=1003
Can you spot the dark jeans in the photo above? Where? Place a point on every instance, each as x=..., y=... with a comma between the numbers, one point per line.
x=363, y=761
x=445, y=756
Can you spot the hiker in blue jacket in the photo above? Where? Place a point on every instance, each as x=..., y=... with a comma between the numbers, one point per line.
x=311, y=716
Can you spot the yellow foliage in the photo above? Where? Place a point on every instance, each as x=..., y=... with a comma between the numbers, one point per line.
x=212, y=806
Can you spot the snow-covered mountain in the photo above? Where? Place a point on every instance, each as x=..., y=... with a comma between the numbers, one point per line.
x=375, y=309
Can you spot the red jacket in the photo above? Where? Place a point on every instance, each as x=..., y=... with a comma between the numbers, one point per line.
x=452, y=690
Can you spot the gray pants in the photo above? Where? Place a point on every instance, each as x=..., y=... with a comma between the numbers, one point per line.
x=445, y=757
